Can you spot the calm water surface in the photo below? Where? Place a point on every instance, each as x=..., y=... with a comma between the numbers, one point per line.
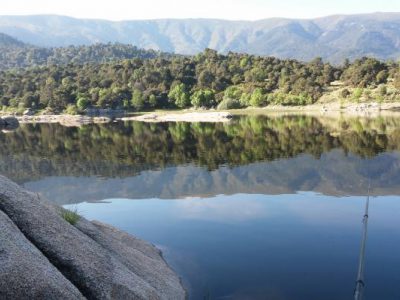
x=260, y=208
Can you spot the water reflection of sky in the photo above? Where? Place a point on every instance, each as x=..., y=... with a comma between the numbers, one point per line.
x=300, y=246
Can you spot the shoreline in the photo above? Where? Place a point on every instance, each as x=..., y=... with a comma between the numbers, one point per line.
x=331, y=109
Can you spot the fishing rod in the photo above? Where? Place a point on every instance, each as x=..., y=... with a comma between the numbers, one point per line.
x=359, y=289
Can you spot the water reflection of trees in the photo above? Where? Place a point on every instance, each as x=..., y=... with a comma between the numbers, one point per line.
x=123, y=149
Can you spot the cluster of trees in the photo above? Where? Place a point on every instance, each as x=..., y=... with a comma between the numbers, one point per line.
x=19, y=55
x=124, y=149
x=208, y=79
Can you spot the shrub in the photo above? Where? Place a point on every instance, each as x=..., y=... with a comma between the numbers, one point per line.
x=288, y=99
x=71, y=109
x=357, y=94
x=13, y=102
x=367, y=94
x=383, y=90
x=229, y=103
x=345, y=93
x=245, y=99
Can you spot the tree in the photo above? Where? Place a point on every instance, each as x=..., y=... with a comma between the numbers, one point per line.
x=206, y=78
x=82, y=102
x=153, y=100
x=29, y=100
x=203, y=98
x=257, y=98
x=364, y=72
x=179, y=95
x=47, y=91
x=137, y=99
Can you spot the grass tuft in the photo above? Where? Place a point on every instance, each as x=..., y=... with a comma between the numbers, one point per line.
x=71, y=216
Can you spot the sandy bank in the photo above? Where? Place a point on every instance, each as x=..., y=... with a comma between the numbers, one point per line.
x=213, y=116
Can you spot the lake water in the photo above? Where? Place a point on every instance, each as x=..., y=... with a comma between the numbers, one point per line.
x=260, y=208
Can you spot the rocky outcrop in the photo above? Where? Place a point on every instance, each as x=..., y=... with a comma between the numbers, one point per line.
x=24, y=272
x=65, y=120
x=92, y=260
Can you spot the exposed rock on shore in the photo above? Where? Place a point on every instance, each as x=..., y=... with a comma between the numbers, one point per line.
x=25, y=272
x=65, y=120
x=8, y=123
x=44, y=256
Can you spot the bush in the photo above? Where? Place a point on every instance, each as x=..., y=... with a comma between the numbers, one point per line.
x=357, y=94
x=229, y=103
x=367, y=94
x=397, y=80
x=71, y=110
x=288, y=99
x=345, y=93
x=245, y=99
x=13, y=102
x=383, y=90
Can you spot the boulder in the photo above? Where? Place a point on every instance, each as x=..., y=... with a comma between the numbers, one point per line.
x=10, y=123
x=24, y=272
x=84, y=255
x=139, y=256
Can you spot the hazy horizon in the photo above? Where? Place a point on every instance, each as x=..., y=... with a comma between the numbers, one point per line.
x=200, y=18
x=240, y=10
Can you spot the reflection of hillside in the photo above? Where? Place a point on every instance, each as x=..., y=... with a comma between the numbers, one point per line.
x=124, y=150
x=332, y=174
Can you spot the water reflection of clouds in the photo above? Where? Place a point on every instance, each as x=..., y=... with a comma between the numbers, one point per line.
x=307, y=208
x=312, y=208
x=222, y=208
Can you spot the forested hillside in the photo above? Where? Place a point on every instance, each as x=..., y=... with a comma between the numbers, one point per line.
x=15, y=54
x=208, y=80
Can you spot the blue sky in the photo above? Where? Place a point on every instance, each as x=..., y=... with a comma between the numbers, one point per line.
x=224, y=9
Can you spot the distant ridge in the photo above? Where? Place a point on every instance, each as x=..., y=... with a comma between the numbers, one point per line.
x=8, y=41
x=333, y=38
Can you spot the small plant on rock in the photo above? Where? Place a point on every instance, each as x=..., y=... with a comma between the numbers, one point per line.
x=71, y=216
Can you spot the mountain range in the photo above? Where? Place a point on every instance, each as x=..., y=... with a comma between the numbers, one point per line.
x=333, y=38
